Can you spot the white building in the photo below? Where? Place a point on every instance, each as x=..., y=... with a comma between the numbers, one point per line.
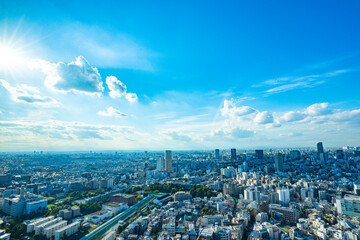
x=40, y=228
x=31, y=225
x=69, y=230
x=4, y=235
x=115, y=207
x=99, y=216
x=49, y=232
x=284, y=195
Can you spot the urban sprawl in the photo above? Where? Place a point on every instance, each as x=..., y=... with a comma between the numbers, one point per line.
x=280, y=194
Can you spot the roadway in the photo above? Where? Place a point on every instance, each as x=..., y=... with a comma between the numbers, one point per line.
x=102, y=229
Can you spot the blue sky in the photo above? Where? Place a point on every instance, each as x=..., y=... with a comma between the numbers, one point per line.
x=178, y=74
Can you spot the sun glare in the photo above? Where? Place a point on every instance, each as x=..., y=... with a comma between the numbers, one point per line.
x=9, y=57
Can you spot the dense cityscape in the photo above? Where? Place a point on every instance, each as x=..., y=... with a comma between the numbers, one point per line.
x=280, y=194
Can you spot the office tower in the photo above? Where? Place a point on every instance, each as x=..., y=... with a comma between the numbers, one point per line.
x=217, y=154
x=160, y=165
x=284, y=195
x=245, y=166
x=320, y=149
x=279, y=162
x=295, y=155
x=259, y=154
x=168, y=161
x=233, y=154
x=339, y=154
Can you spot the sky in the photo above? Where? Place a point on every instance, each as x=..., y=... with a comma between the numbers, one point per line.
x=180, y=75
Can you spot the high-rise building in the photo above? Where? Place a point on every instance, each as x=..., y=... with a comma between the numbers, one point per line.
x=259, y=154
x=160, y=164
x=320, y=147
x=284, y=195
x=217, y=154
x=168, y=161
x=339, y=154
x=233, y=154
x=295, y=155
x=279, y=162
x=320, y=150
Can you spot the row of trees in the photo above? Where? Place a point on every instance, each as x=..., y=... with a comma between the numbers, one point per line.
x=201, y=192
x=16, y=228
x=164, y=188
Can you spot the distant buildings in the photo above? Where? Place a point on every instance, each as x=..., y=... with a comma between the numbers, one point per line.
x=168, y=161
x=279, y=162
x=259, y=154
x=295, y=155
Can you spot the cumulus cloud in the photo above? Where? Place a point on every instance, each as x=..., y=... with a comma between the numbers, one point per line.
x=319, y=109
x=264, y=118
x=28, y=94
x=292, y=116
x=76, y=76
x=118, y=89
x=111, y=112
x=230, y=109
x=131, y=97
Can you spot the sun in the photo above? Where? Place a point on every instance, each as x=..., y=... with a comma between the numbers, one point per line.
x=9, y=57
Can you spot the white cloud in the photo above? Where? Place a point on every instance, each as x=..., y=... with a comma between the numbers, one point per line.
x=319, y=109
x=76, y=76
x=235, y=132
x=118, y=89
x=292, y=116
x=264, y=117
x=131, y=97
x=285, y=84
x=28, y=94
x=230, y=109
x=111, y=112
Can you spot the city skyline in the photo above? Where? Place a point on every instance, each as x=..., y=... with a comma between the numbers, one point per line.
x=178, y=76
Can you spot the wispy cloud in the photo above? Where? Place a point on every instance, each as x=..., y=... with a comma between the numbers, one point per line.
x=284, y=84
x=111, y=112
x=27, y=94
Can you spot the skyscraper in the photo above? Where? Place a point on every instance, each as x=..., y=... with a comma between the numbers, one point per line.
x=320, y=149
x=279, y=162
x=217, y=154
x=259, y=154
x=168, y=161
x=233, y=154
